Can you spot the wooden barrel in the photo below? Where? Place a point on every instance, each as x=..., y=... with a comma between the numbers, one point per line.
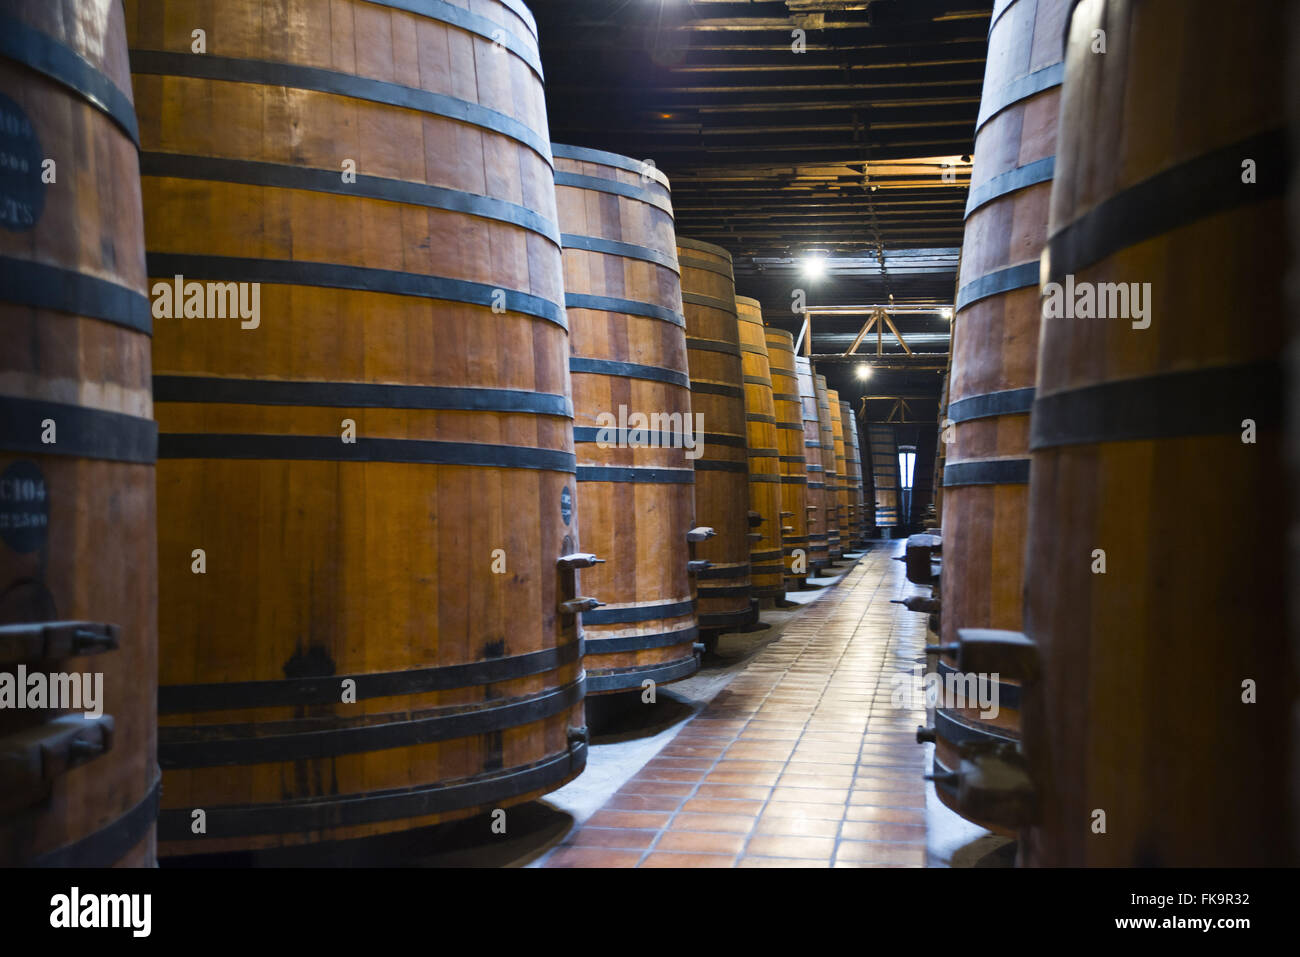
x=794, y=466
x=841, y=470
x=884, y=475
x=766, y=562
x=721, y=469
x=818, y=555
x=78, y=572
x=366, y=479
x=853, y=472
x=628, y=339
x=1167, y=683
x=830, y=469
x=995, y=349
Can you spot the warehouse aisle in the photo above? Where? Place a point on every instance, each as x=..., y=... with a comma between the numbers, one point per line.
x=800, y=761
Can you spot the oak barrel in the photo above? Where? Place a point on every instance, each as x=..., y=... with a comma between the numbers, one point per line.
x=853, y=471
x=841, y=470
x=721, y=469
x=994, y=351
x=78, y=578
x=366, y=479
x=818, y=555
x=883, y=451
x=766, y=562
x=794, y=467
x=830, y=468
x=637, y=493
x=1166, y=678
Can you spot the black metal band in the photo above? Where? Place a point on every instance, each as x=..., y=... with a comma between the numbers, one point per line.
x=630, y=307
x=108, y=845
x=44, y=54
x=621, y=438
x=208, y=746
x=1021, y=88
x=794, y=480
x=623, y=616
x=955, y=731
x=986, y=472
x=255, y=173
x=695, y=299
x=722, y=269
x=719, y=465
x=1210, y=401
x=700, y=246
x=773, y=554
x=322, y=448
x=1202, y=187
x=711, y=345
x=40, y=286
x=666, y=639
x=613, y=247
x=585, y=155
x=764, y=453
x=709, y=388
x=723, y=572
x=614, y=187
x=317, y=814
x=1005, y=402
x=80, y=432
x=792, y=426
x=1009, y=279
x=360, y=395
x=286, y=272
x=651, y=476
x=724, y=591
x=765, y=478
x=1008, y=693
x=628, y=370
x=619, y=679
x=725, y=438
x=460, y=17
x=1022, y=177
x=294, y=692
x=267, y=73
x=759, y=417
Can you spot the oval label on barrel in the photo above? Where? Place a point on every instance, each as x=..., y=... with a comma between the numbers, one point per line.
x=22, y=194
x=24, y=507
x=566, y=505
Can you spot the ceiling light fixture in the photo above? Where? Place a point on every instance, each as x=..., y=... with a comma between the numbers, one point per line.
x=814, y=267
x=864, y=371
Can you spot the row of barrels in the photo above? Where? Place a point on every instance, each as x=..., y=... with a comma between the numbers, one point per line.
x=1110, y=556
x=307, y=415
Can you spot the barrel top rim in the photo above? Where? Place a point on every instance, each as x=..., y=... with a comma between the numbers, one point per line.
x=616, y=160
x=750, y=302
x=781, y=333
x=701, y=246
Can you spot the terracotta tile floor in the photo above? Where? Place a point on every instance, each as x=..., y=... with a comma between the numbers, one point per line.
x=801, y=761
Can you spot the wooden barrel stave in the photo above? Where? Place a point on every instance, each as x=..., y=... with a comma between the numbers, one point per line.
x=373, y=560
x=78, y=445
x=794, y=464
x=721, y=468
x=637, y=503
x=1139, y=710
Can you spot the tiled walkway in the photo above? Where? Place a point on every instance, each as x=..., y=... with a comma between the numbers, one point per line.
x=800, y=762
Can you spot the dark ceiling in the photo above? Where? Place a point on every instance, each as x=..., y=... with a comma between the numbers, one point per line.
x=855, y=149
